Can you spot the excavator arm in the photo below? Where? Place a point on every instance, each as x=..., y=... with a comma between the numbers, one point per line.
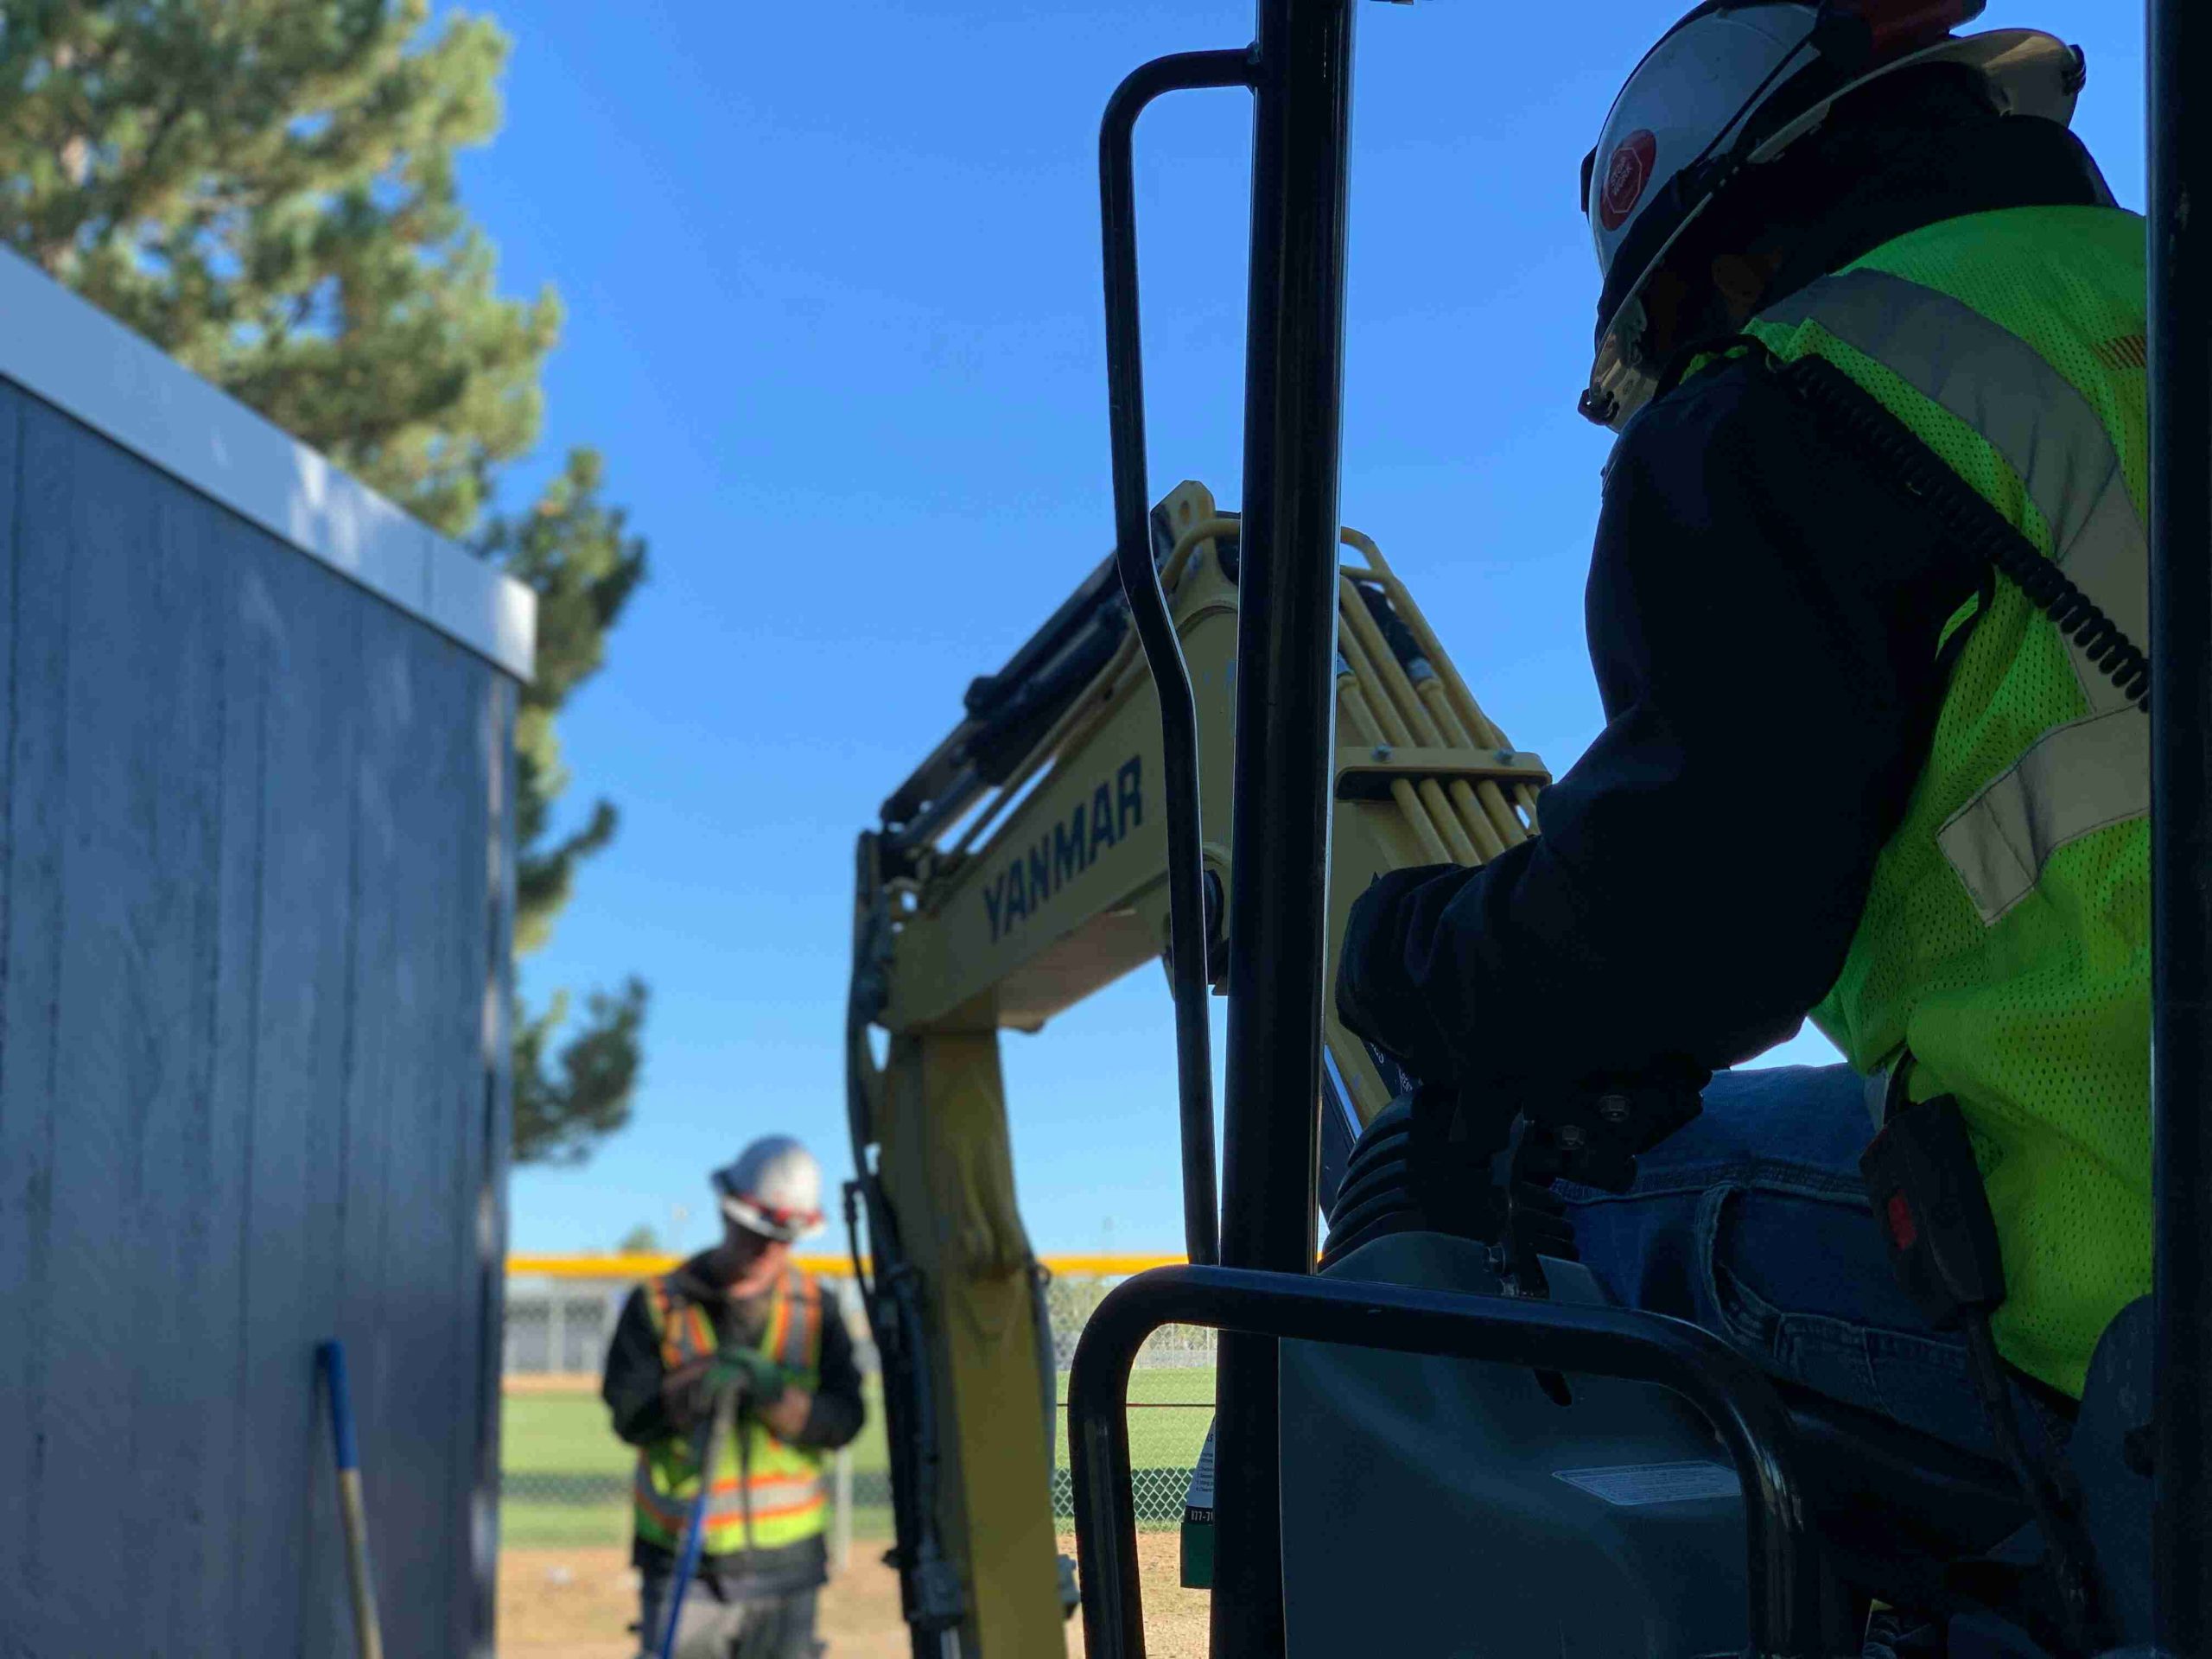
x=1021, y=867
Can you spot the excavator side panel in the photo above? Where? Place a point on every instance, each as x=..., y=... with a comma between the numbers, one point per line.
x=1029, y=919
x=948, y=1175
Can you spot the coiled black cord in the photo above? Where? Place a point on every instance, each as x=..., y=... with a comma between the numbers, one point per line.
x=1891, y=446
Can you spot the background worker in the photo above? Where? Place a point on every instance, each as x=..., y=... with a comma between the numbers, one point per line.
x=1848, y=767
x=740, y=1318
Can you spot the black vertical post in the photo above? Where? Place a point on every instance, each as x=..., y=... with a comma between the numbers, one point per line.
x=1286, y=686
x=2180, y=45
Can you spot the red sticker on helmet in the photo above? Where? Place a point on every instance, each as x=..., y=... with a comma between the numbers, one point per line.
x=1627, y=175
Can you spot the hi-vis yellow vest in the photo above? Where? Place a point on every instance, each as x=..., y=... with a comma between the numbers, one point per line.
x=772, y=1496
x=2005, y=942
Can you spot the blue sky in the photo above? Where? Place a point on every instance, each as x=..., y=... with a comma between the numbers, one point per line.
x=832, y=284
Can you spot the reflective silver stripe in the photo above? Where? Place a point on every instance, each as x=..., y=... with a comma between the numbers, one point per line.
x=2077, y=778
x=2030, y=413
x=2096, y=772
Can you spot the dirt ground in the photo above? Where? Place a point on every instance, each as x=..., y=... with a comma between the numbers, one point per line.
x=577, y=1603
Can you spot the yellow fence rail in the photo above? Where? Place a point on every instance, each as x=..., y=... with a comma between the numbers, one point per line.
x=827, y=1266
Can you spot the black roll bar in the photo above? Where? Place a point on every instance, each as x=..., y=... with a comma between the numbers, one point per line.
x=1785, y=1565
x=1155, y=624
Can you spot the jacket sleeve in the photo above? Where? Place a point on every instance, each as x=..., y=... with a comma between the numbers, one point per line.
x=1765, y=618
x=838, y=1411
x=631, y=1385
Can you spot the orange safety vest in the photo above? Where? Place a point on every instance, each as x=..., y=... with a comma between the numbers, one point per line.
x=766, y=1494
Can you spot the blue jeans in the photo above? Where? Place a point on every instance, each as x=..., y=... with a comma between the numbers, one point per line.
x=1753, y=1222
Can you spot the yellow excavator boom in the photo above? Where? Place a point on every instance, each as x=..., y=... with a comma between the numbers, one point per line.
x=1023, y=868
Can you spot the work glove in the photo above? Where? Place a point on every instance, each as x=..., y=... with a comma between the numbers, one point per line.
x=690, y=1391
x=683, y=1395
x=747, y=1373
x=1388, y=977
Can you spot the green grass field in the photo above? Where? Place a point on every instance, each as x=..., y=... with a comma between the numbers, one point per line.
x=563, y=1474
x=1168, y=1424
x=566, y=1476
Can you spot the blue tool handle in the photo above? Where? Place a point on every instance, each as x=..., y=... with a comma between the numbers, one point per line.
x=694, y=1535
x=330, y=1358
x=352, y=1506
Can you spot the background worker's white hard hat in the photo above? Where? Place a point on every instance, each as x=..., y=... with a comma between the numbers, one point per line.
x=773, y=1189
x=1731, y=87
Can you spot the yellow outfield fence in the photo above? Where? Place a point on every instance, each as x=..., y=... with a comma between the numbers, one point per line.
x=631, y=1269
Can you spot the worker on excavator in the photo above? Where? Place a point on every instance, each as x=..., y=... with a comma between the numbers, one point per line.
x=1873, y=745
x=739, y=1328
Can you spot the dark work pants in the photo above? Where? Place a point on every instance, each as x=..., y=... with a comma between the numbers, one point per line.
x=713, y=1626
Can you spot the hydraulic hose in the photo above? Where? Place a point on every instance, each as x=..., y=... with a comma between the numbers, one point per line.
x=931, y=1590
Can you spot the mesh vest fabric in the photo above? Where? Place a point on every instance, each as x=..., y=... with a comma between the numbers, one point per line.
x=766, y=1495
x=2030, y=1005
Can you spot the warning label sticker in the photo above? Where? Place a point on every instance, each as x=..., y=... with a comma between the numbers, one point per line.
x=1631, y=1486
x=1198, y=1500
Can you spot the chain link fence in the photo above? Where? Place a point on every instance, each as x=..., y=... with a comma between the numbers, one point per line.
x=565, y=1478
x=1171, y=1400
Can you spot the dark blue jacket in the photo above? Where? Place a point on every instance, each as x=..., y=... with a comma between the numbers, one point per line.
x=1764, y=616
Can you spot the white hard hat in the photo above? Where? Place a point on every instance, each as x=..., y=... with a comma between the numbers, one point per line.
x=1732, y=86
x=773, y=1189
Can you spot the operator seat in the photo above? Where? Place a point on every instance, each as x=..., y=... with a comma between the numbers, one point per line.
x=1894, y=1504
x=1895, y=1507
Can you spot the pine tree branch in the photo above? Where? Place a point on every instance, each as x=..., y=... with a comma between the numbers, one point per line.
x=563, y=1109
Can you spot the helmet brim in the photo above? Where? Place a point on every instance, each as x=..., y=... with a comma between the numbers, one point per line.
x=2030, y=72
x=754, y=1219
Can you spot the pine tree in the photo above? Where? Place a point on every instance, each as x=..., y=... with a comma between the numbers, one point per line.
x=266, y=189
x=577, y=553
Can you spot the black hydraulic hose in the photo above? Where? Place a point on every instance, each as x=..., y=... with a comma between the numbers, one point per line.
x=1784, y=1568
x=896, y=1318
x=1155, y=624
